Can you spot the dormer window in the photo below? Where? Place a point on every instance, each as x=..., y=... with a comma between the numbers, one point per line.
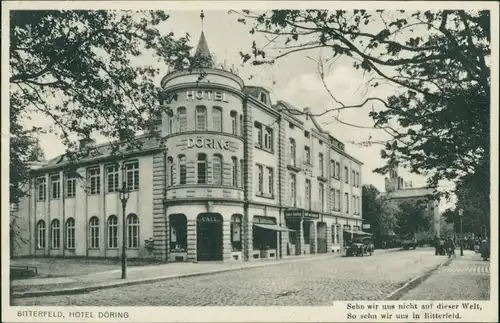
x=263, y=98
x=306, y=134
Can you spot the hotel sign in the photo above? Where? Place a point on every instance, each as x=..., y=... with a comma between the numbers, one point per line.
x=210, y=143
x=206, y=95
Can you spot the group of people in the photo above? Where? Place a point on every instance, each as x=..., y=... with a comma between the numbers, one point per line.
x=441, y=246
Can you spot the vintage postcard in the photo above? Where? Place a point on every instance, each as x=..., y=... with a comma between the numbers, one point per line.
x=249, y=161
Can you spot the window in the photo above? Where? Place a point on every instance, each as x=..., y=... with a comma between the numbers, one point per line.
x=268, y=138
x=270, y=181
x=112, y=178
x=260, y=176
x=234, y=171
x=332, y=168
x=132, y=231
x=337, y=200
x=70, y=233
x=353, y=178
x=112, y=231
x=357, y=179
x=181, y=113
x=202, y=169
x=71, y=185
x=263, y=98
x=178, y=232
x=40, y=234
x=217, y=170
x=333, y=203
x=241, y=125
x=170, y=118
x=346, y=201
x=308, y=194
x=55, y=234
x=171, y=171
x=306, y=134
x=293, y=189
x=293, y=151
x=353, y=204
x=94, y=232
x=201, y=118
x=94, y=180
x=337, y=170
x=41, y=188
x=236, y=220
x=182, y=170
x=242, y=173
x=307, y=155
x=217, y=119
x=258, y=135
x=321, y=165
x=346, y=175
x=360, y=206
x=56, y=186
x=234, y=125
x=132, y=175
x=321, y=196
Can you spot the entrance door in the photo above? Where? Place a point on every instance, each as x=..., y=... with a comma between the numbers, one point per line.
x=321, y=237
x=209, y=237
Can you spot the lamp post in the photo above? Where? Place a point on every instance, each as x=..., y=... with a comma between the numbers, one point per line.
x=124, y=196
x=461, y=215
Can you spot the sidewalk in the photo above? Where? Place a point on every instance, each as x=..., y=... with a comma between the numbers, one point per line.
x=138, y=275
x=465, y=277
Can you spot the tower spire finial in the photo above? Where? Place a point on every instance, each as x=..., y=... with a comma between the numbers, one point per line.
x=202, y=15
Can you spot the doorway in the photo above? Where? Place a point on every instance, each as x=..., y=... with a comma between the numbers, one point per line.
x=321, y=237
x=209, y=237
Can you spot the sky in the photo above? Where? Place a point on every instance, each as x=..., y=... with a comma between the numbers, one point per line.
x=294, y=79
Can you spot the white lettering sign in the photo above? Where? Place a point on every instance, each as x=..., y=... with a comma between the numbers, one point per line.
x=206, y=95
x=208, y=143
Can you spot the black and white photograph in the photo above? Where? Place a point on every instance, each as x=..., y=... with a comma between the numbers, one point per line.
x=202, y=154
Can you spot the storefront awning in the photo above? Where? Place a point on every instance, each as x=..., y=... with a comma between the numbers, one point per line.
x=359, y=233
x=272, y=227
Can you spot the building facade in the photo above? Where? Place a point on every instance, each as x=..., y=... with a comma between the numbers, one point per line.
x=239, y=178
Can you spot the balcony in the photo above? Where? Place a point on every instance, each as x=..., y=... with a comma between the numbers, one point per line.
x=293, y=163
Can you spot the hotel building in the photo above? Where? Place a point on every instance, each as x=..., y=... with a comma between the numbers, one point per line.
x=239, y=178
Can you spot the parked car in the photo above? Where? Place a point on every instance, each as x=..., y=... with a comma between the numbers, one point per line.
x=409, y=243
x=360, y=247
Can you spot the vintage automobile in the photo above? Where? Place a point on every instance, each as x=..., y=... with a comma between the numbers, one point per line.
x=409, y=242
x=359, y=247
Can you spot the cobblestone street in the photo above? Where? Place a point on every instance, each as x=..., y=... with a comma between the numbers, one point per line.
x=315, y=282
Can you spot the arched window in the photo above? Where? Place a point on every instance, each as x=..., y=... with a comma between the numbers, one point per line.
x=217, y=169
x=170, y=120
x=132, y=231
x=70, y=233
x=234, y=123
x=293, y=151
x=236, y=232
x=201, y=118
x=55, y=234
x=181, y=116
x=202, y=168
x=217, y=119
x=112, y=231
x=94, y=232
x=171, y=171
x=182, y=169
x=234, y=171
x=40, y=231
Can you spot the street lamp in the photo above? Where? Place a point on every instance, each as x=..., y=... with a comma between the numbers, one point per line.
x=124, y=196
x=461, y=215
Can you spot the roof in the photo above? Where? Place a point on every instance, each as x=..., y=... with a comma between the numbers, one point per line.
x=202, y=54
x=254, y=90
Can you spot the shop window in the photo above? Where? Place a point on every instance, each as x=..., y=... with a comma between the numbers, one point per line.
x=217, y=169
x=306, y=228
x=236, y=227
x=94, y=232
x=182, y=170
x=264, y=238
x=55, y=234
x=201, y=118
x=202, y=169
x=40, y=237
x=70, y=233
x=234, y=125
x=217, y=119
x=112, y=231
x=178, y=232
x=56, y=186
x=132, y=231
x=181, y=113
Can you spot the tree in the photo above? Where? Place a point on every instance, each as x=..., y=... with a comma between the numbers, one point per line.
x=83, y=70
x=438, y=121
x=380, y=213
x=413, y=218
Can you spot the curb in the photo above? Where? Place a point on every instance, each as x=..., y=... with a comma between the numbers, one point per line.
x=414, y=282
x=87, y=289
